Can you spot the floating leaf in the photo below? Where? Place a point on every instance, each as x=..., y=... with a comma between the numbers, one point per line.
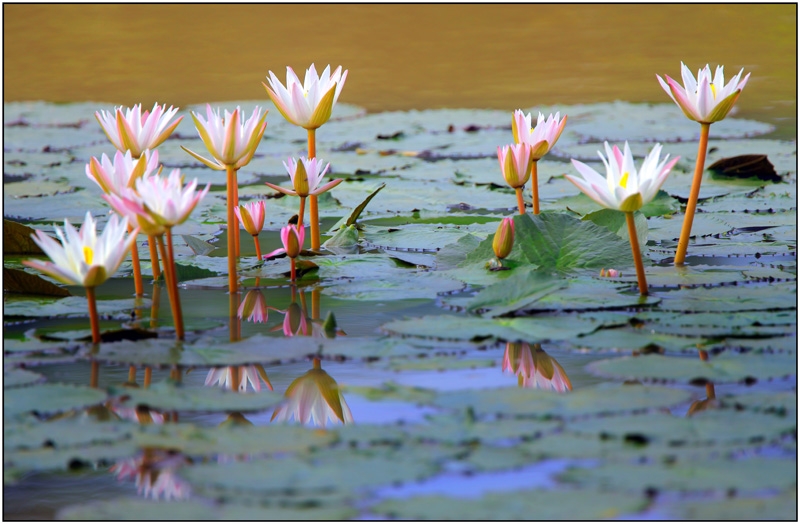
x=64, y=433
x=17, y=281
x=166, y=396
x=746, y=166
x=198, y=247
x=16, y=377
x=17, y=239
x=616, y=222
x=71, y=306
x=49, y=399
x=781, y=507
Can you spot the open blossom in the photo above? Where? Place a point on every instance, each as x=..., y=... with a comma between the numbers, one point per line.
x=230, y=140
x=251, y=215
x=292, y=238
x=515, y=163
x=623, y=188
x=306, y=177
x=704, y=100
x=307, y=104
x=155, y=475
x=252, y=375
x=543, y=137
x=158, y=202
x=535, y=368
x=503, y=241
x=83, y=259
x=123, y=172
x=135, y=131
x=314, y=398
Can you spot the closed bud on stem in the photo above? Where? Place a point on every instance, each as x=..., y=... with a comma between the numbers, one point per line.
x=503, y=241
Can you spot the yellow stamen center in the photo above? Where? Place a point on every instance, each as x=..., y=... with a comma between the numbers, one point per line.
x=624, y=180
x=88, y=254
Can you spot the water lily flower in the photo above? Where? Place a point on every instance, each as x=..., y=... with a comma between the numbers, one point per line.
x=83, y=259
x=306, y=177
x=503, y=241
x=515, y=164
x=314, y=398
x=613, y=273
x=123, y=172
x=535, y=368
x=231, y=141
x=137, y=132
x=254, y=307
x=307, y=104
x=252, y=215
x=292, y=237
x=623, y=188
x=160, y=202
x=238, y=377
x=155, y=475
x=705, y=100
x=543, y=137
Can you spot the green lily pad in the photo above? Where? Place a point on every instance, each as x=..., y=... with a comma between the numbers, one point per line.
x=166, y=396
x=781, y=507
x=457, y=430
x=49, y=399
x=71, y=306
x=662, y=204
x=754, y=297
x=65, y=433
x=723, y=368
x=439, y=364
x=17, y=377
x=514, y=505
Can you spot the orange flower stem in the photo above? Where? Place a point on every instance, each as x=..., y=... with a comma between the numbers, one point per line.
x=313, y=207
x=711, y=393
x=237, y=236
x=148, y=376
x=301, y=212
x=93, y=320
x=535, y=188
x=232, y=283
x=258, y=247
x=170, y=266
x=637, y=254
x=132, y=374
x=520, y=201
x=167, y=278
x=137, y=268
x=151, y=242
x=691, y=205
x=703, y=354
x=294, y=270
x=235, y=378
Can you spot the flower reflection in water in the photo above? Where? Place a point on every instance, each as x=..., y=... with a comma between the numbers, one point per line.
x=139, y=414
x=254, y=307
x=155, y=474
x=314, y=398
x=535, y=368
x=236, y=378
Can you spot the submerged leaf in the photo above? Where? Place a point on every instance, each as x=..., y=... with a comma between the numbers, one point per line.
x=18, y=281
x=17, y=239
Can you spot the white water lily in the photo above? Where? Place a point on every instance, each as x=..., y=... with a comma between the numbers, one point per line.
x=307, y=104
x=83, y=259
x=314, y=399
x=705, y=100
x=137, y=132
x=113, y=177
x=231, y=140
x=541, y=138
x=623, y=188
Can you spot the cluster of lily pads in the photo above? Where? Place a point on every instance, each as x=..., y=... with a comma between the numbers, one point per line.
x=614, y=441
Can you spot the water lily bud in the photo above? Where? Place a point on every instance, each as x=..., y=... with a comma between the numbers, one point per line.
x=293, y=242
x=504, y=238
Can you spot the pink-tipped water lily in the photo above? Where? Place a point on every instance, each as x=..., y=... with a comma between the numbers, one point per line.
x=231, y=140
x=251, y=215
x=306, y=175
x=135, y=131
x=307, y=104
x=503, y=241
x=254, y=307
x=155, y=474
x=705, y=100
x=163, y=201
x=623, y=188
x=83, y=259
x=123, y=172
x=515, y=164
x=535, y=368
x=237, y=378
x=292, y=237
x=543, y=137
x=314, y=398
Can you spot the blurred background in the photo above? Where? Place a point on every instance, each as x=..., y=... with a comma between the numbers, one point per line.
x=399, y=56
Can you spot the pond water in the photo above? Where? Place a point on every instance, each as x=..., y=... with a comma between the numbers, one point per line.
x=426, y=362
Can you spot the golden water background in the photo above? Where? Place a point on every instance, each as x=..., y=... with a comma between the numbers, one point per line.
x=400, y=56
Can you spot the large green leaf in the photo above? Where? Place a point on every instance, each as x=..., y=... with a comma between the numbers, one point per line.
x=49, y=398
x=167, y=396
